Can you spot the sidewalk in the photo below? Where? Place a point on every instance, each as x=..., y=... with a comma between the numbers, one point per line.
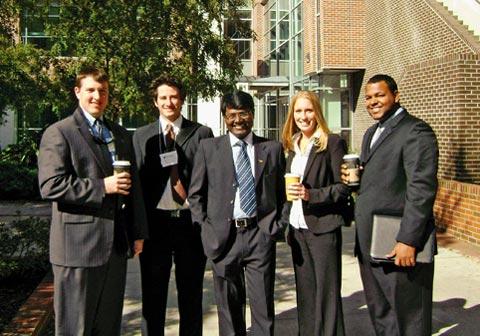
x=456, y=306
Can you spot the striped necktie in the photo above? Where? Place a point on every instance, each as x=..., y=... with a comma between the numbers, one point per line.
x=246, y=182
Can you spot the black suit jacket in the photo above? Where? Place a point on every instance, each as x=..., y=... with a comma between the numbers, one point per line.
x=149, y=144
x=213, y=187
x=71, y=169
x=328, y=195
x=399, y=178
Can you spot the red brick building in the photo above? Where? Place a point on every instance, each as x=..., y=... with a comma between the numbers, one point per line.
x=334, y=46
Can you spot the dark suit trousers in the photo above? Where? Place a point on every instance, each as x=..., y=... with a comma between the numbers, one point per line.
x=177, y=240
x=250, y=257
x=399, y=298
x=89, y=300
x=317, y=264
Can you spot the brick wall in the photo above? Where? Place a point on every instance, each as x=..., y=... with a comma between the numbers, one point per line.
x=399, y=34
x=310, y=59
x=342, y=34
x=445, y=92
x=438, y=72
x=259, y=44
x=457, y=210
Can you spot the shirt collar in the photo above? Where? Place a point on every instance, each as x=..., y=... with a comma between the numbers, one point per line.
x=234, y=140
x=91, y=119
x=176, y=124
x=315, y=136
x=397, y=112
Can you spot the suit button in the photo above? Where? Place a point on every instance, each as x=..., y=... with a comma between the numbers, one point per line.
x=234, y=185
x=231, y=202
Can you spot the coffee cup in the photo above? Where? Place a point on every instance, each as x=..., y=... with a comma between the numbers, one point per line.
x=291, y=178
x=121, y=166
x=352, y=161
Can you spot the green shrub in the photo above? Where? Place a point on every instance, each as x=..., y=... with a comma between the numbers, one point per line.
x=18, y=182
x=23, y=247
x=24, y=152
x=18, y=169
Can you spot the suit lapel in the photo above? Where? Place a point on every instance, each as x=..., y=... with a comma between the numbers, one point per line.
x=290, y=156
x=260, y=157
x=187, y=130
x=312, y=157
x=389, y=128
x=225, y=150
x=92, y=145
x=156, y=129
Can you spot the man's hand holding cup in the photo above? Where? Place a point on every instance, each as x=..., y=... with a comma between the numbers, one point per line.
x=351, y=170
x=119, y=182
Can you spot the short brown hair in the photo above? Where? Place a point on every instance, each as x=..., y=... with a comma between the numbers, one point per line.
x=169, y=81
x=89, y=71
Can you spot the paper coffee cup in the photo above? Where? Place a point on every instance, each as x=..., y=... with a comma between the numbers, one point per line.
x=289, y=179
x=352, y=161
x=121, y=166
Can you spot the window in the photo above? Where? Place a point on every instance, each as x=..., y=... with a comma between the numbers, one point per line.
x=33, y=26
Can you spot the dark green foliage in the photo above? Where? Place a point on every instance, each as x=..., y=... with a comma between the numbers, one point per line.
x=23, y=247
x=18, y=170
x=133, y=40
x=23, y=153
x=18, y=182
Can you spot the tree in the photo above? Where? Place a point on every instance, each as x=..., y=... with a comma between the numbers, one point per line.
x=27, y=82
x=137, y=40
x=133, y=40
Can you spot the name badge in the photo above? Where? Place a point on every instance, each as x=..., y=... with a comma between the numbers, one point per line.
x=169, y=159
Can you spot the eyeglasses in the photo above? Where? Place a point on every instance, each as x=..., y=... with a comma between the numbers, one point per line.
x=232, y=116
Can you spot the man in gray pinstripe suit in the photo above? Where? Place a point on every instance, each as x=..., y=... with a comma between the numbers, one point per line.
x=97, y=217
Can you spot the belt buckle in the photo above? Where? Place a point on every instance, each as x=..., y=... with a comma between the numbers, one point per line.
x=241, y=223
x=175, y=213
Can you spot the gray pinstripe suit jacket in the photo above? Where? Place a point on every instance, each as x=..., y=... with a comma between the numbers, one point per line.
x=72, y=167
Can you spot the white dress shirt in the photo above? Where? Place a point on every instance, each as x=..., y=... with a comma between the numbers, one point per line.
x=381, y=127
x=299, y=163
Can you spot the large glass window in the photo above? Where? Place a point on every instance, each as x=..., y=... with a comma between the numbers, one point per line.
x=334, y=93
x=238, y=32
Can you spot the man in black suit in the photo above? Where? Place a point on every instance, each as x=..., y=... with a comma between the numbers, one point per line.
x=236, y=195
x=95, y=214
x=400, y=159
x=165, y=150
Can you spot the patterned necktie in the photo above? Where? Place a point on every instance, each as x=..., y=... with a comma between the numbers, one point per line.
x=104, y=136
x=102, y=132
x=246, y=182
x=179, y=193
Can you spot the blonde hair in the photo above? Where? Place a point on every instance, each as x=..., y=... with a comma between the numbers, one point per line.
x=290, y=127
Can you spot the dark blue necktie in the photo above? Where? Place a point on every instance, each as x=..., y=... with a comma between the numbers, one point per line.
x=105, y=137
x=246, y=182
x=102, y=132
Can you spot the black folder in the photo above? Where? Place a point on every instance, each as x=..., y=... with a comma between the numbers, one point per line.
x=385, y=230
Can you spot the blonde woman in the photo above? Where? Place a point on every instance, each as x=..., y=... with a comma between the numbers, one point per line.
x=315, y=216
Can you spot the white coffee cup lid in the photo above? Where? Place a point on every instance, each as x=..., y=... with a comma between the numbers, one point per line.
x=121, y=163
x=351, y=156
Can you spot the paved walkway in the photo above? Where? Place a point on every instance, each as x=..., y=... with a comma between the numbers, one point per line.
x=456, y=307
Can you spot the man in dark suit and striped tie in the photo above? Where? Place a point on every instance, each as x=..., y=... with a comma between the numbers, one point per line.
x=98, y=218
x=236, y=195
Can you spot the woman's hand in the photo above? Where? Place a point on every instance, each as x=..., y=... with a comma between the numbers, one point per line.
x=298, y=190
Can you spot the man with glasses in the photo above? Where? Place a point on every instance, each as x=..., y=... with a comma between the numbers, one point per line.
x=236, y=195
